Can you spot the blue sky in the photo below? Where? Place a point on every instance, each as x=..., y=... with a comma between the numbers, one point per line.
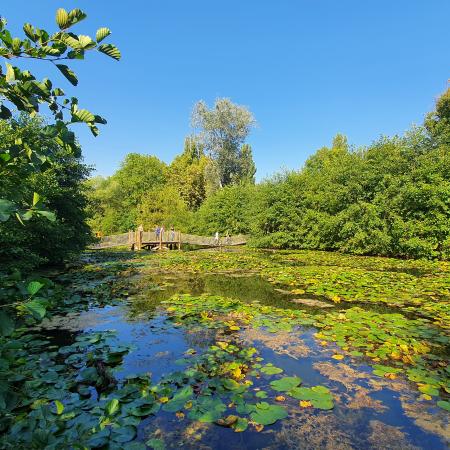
x=306, y=69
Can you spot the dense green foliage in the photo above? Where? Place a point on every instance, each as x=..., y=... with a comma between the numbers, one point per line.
x=61, y=187
x=391, y=198
x=147, y=191
x=229, y=210
x=21, y=91
x=116, y=200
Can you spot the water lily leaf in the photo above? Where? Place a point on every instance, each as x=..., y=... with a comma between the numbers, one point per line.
x=320, y=389
x=179, y=399
x=59, y=407
x=444, y=404
x=124, y=434
x=266, y=414
x=227, y=421
x=112, y=407
x=430, y=390
x=240, y=425
x=261, y=394
x=245, y=408
x=323, y=403
x=230, y=384
x=156, y=444
x=300, y=393
x=207, y=410
x=285, y=384
x=270, y=369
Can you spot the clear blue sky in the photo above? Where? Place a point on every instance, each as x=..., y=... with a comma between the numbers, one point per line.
x=307, y=69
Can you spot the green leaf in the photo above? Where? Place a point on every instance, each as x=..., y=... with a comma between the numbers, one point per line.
x=85, y=41
x=444, y=405
x=230, y=384
x=266, y=414
x=110, y=50
x=72, y=41
x=322, y=403
x=430, y=390
x=82, y=115
x=301, y=393
x=36, y=308
x=6, y=324
x=102, y=33
x=285, y=384
x=261, y=394
x=179, y=399
x=124, y=434
x=240, y=425
x=47, y=214
x=29, y=31
x=6, y=209
x=59, y=407
x=34, y=287
x=76, y=15
x=112, y=407
x=270, y=369
x=156, y=444
x=36, y=198
x=62, y=18
x=68, y=73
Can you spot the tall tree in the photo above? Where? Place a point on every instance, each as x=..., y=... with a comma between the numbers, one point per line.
x=248, y=167
x=224, y=129
x=187, y=173
x=438, y=122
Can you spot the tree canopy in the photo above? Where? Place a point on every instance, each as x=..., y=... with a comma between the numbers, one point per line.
x=224, y=129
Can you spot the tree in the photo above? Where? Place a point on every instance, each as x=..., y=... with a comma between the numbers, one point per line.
x=438, y=122
x=248, y=167
x=224, y=129
x=117, y=198
x=21, y=90
x=164, y=206
x=61, y=186
x=187, y=173
x=228, y=210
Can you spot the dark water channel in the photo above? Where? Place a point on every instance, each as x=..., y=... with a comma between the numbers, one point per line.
x=369, y=412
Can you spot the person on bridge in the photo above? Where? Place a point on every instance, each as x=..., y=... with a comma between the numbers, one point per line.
x=216, y=238
x=172, y=234
x=157, y=232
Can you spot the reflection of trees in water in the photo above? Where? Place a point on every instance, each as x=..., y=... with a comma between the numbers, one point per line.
x=202, y=337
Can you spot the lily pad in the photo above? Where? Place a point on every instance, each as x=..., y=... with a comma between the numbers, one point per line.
x=266, y=414
x=285, y=384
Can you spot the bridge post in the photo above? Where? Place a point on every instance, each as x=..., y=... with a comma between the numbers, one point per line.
x=160, y=240
x=179, y=240
x=138, y=240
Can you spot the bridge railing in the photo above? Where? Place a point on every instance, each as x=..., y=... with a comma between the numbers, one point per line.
x=137, y=239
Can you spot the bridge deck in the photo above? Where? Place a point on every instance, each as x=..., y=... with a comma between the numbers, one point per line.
x=149, y=239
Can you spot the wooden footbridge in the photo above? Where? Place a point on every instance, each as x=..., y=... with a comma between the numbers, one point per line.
x=149, y=240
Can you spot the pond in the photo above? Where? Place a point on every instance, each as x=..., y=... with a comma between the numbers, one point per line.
x=236, y=358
